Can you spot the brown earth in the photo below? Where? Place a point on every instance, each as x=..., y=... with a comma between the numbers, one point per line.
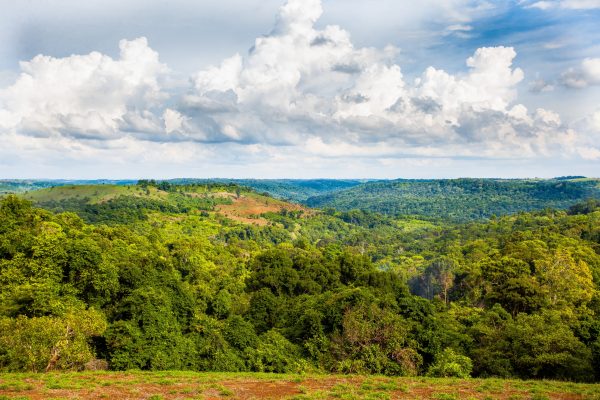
x=120, y=386
x=248, y=209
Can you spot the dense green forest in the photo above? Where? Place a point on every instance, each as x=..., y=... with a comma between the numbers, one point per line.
x=214, y=276
x=460, y=200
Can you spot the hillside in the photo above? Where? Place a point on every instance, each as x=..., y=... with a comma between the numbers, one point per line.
x=457, y=200
x=460, y=199
x=296, y=190
x=25, y=185
x=129, y=203
x=217, y=277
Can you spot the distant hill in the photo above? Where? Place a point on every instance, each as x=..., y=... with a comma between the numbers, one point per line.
x=457, y=200
x=26, y=185
x=124, y=204
x=297, y=190
x=460, y=199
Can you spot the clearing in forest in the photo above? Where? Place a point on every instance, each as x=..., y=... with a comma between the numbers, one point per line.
x=249, y=207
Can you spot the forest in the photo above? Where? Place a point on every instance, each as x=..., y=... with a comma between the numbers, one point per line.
x=460, y=200
x=213, y=276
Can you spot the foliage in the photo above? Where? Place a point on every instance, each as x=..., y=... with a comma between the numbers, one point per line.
x=459, y=199
x=170, y=285
x=449, y=364
x=46, y=343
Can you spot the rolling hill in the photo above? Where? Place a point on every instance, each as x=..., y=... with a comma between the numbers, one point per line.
x=460, y=199
x=297, y=190
x=217, y=277
x=111, y=203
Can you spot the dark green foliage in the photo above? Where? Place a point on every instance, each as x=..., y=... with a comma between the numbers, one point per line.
x=459, y=199
x=538, y=345
x=585, y=208
x=130, y=209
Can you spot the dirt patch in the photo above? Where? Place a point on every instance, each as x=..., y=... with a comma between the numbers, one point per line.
x=121, y=386
x=248, y=209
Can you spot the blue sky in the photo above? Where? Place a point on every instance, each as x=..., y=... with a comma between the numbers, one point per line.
x=274, y=89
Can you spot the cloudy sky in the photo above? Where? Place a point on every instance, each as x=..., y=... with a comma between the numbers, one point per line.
x=303, y=89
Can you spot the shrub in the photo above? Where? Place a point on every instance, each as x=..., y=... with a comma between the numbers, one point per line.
x=450, y=364
x=274, y=353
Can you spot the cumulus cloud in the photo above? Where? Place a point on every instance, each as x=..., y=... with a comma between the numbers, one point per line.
x=299, y=89
x=586, y=74
x=312, y=87
x=85, y=96
x=589, y=127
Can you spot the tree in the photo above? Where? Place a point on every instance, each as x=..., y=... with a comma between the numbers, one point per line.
x=47, y=343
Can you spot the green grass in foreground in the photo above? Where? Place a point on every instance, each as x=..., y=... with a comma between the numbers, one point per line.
x=191, y=385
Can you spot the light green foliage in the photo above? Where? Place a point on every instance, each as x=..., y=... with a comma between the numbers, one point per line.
x=37, y=343
x=162, y=280
x=449, y=364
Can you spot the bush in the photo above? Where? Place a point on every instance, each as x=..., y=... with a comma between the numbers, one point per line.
x=449, y=364
x=274, y=353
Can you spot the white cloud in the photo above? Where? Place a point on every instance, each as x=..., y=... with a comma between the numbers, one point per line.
x=300, y=89
x=543, y=5
x=580, y=4
x=589, y=139
x=174, y=121
x=540, y=86
x=459, y=27
x=589, y=153
x=587, y=74
x=84, y=96
x=301, y=84
x=595, y=121
x=566, y=4
x=459, y=30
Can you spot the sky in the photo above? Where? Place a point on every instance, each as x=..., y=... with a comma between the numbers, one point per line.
x=299, y=89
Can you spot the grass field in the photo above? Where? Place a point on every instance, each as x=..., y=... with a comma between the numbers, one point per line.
x=94, y=193
x=189, y=385
x=246, y=207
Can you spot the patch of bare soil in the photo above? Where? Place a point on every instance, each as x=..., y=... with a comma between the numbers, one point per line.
x=248, y=209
